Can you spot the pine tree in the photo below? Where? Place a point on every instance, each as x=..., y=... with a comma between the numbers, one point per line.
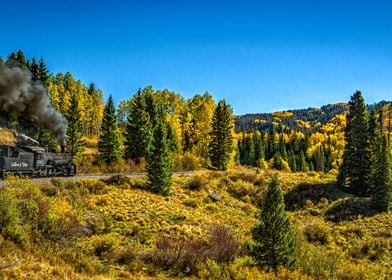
x=221, y=143
x=381, y=175
x=251, y=149
x=34, y=69
x=158, y=161
x=43, y=73
x=21, y=60
x=273, y=234
x=138, y=135
x=109, y=142
x=75, y=143
x=302, y=165
x=354, y=173
x=259, y=148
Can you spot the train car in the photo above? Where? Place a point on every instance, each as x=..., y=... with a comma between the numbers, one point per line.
x=34, y=161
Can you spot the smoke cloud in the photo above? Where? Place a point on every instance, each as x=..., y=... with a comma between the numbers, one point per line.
x=19, y=93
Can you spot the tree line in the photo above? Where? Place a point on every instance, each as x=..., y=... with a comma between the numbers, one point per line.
x=68, y=96
x=201, y=132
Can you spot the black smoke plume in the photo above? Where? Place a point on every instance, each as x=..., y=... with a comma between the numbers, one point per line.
x=19, y=93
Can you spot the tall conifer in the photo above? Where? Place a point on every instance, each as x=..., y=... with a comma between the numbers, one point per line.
x=273, y=234
x=109, y=141
x=138, y=135
x=221, y=143
x=75, y=143
x=354, y=172
x=381, y=175
x=159, y=163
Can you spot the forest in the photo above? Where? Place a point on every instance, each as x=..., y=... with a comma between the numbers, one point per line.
x=296, y=194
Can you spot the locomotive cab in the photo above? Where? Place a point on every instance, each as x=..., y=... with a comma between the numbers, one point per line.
x=15, y=160
x=35, y=161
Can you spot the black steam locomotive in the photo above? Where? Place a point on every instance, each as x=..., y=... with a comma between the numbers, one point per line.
x=34, y=161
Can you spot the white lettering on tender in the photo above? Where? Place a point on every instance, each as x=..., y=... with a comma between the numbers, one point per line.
x=19, y=164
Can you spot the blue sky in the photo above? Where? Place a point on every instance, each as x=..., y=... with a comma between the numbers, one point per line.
x=260, y=56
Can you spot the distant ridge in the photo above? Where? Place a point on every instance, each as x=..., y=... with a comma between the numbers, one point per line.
x=310, y=119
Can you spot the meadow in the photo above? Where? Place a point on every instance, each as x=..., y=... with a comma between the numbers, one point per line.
x=117, y=229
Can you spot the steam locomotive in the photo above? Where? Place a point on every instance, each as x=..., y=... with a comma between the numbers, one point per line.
x=34, y=161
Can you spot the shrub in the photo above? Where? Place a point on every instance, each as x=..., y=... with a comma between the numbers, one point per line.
x=100, y=245
x=316, y=233
x=186, y=162
x=124, y=255
x=117, y=180
x=193, y=203
x=244, y=176
x=59, y=221
x=196, y=183
x=319, y=262
x=178, y=255
x=222, y=245
x=10, y=221
x=241, y=189
x=49, y=190
x=185, y=256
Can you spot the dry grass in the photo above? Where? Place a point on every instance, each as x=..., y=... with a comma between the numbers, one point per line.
x=121, y=223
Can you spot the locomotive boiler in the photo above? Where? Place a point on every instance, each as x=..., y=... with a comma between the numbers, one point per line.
x=34, y=161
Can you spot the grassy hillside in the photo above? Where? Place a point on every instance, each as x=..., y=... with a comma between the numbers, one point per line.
x=118, y=230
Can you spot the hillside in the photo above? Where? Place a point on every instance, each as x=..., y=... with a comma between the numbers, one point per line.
x=311, y=119
x=300, y=119
x=116, y=229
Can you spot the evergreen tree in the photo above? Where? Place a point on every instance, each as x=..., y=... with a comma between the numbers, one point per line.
x=251, y=148
x=34, y=68
x=109, y=142
x=354, y=173
x=43, y=73
x=381, y=175
x=44, y=137
x=292, y=161
x=171, y=139
x=75, y=143
x=302, y=165
x=21, y=60
x=273, y=234
x=277, y=162
x=221, y=143
x=138, y=134
x=159, y=164
x=258, y=147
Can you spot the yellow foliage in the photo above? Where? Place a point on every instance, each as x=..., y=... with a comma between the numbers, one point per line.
x=7, y=136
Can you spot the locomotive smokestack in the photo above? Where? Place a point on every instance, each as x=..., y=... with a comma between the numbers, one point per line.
x=19, y=93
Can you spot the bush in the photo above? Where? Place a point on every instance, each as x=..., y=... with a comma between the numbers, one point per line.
x=319, y=262
x=241, y=189
x=222, y=245
x=185, y=256
x=10, y=221
x=177, y=255
x=316, y=233
x=49, y=190
x=117, y=180
x=99, y=245
x=244, y=176
x=196, y=183
x=186, y=162
x=59, y=221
